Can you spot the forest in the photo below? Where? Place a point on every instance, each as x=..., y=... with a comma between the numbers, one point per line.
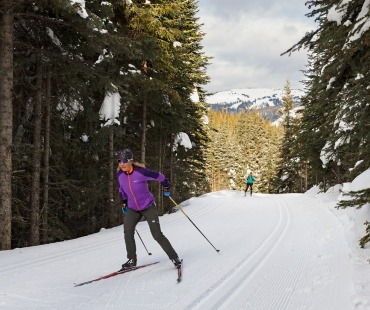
x=62, y=59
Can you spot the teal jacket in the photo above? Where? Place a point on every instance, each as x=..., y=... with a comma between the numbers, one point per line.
x=250, y=179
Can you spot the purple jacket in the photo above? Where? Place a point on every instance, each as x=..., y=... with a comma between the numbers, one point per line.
x=133, y=187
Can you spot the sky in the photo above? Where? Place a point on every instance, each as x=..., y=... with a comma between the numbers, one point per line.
x=246, y=38
x=281, y=252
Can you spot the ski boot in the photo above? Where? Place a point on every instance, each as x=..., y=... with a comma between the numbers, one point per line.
x=132, y=262
x=177, y=262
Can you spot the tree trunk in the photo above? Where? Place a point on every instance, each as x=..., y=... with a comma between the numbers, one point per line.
x=160, y=168
x=305, y=177
x=36, y=161
x=144, y=122
x=6, y=121
x=111, y=204
x=172, y=160
x=45, y=197
x=143, y=135
x=20, y=131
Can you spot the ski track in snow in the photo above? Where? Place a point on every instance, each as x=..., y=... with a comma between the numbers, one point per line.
x=64, y=254
x=222, y=293
x=235, y=291
x=273, y=256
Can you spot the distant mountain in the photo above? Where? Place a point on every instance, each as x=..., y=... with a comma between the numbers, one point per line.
x=266, y=100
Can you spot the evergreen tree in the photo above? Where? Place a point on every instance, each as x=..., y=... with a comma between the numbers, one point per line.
x=336, y=105
x=337, y=86
x=68, y=39
x=174, y=67
x=238, y=143
x=288, y=175
x=74, y=54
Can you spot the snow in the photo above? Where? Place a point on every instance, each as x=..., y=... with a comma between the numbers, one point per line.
x=360, y=182
x=326, y=155
x=288, y=251
x=80, y=4
x=84, y=138
x=330, y=83
x=362, y=24
x=359, y=32
x=194, y=97
x=69, y=109
x=294, y=113
x=110, y=108
x=364, y=10
x=182, y=139
x=336, y=14
x=55, y=40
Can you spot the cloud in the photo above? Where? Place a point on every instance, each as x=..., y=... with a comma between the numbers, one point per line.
x=296, y=10
x=246, y=44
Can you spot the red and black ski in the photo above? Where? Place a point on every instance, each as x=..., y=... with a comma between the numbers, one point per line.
x=116, y=273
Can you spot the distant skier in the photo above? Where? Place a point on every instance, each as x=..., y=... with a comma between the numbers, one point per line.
x=249, y=179
x=133, y=187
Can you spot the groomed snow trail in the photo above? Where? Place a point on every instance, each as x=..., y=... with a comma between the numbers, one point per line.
x=291, y=268
x=277, y=252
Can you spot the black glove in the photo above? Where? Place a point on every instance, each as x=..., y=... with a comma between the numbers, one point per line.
x=166, y=191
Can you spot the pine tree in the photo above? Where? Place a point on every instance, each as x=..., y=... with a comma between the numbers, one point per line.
x=86, y=50
x=173, y=69
x=241, y=142
x=288, y=175
x=337, y=85
x=337, y=105
x=70, y=45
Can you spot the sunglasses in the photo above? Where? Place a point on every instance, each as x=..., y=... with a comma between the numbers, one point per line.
x=123, y=161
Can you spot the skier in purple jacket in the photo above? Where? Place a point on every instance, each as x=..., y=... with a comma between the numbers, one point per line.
x=133, y=188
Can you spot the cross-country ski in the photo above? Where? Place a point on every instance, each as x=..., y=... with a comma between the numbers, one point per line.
x=116, y=273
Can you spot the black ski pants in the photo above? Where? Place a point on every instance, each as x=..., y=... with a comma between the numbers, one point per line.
x=132, y=218
x=248, y=185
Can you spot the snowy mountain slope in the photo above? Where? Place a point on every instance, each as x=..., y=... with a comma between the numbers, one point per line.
x=257, y=98
x=292, y=251
x=265, y=100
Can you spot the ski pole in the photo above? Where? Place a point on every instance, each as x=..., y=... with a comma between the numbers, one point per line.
x=192, y=222
x=142, y=242
x=124, y=213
